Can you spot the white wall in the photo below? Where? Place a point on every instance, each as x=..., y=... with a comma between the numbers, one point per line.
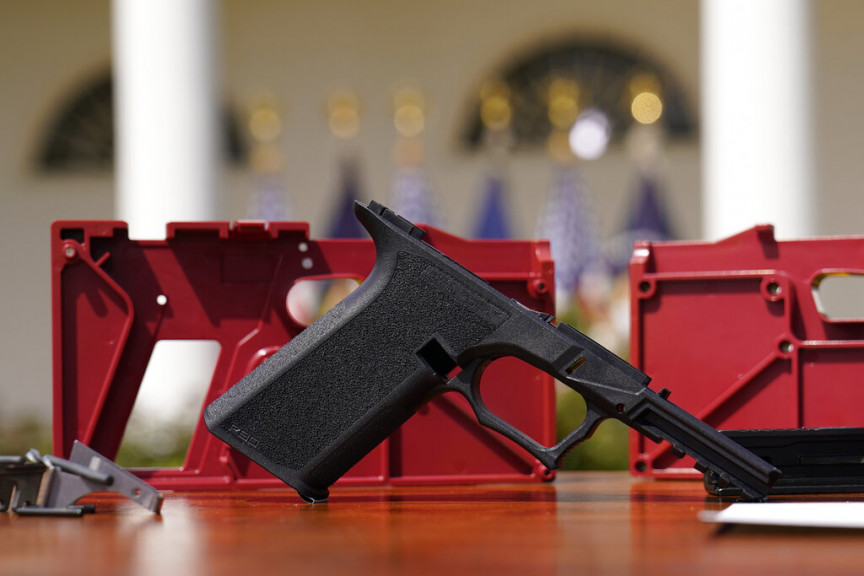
x=304, y=49
x=46, y=50
x=838, y=74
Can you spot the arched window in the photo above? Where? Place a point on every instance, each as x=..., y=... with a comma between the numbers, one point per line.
x=605, y=76
x=81, y=135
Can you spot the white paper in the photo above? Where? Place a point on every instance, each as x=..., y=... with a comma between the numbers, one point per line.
x=805, y=514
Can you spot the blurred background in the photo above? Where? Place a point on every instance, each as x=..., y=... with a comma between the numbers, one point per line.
x=591, y=124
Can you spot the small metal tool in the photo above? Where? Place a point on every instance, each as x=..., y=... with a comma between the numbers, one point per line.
x=37, y=485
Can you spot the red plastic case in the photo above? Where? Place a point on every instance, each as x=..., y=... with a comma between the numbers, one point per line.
x=114, y=298
x=733, y=329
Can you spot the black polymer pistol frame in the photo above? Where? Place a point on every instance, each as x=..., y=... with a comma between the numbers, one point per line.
x=421, y=325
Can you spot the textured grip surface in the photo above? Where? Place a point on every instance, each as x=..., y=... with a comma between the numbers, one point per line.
x=297, y=406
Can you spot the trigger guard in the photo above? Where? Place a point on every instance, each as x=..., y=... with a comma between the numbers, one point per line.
x=583, y=432
x=467, y=383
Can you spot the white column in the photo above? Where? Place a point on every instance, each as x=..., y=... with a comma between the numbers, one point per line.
x=756, y=116
x=166, y=112
x=167, y=153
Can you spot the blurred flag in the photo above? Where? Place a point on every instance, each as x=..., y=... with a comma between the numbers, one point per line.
x=412, y=196
x=344, y=223
x=647, y=220
x=268, y=200
x=570, y=224
x=493, y=220
x=647, y=214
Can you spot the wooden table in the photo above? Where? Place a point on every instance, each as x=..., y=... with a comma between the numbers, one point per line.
x=583, y=523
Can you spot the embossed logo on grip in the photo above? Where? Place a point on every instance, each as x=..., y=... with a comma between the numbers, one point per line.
x=243, y=435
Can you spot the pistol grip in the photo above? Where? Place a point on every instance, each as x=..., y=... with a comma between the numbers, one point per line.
x=330, y=395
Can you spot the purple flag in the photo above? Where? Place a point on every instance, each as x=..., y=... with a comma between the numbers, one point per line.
x=268, y=200
x=493, y=221
x=412, y=196
x=344, y=223
x=647, y=220
x=570, y=224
